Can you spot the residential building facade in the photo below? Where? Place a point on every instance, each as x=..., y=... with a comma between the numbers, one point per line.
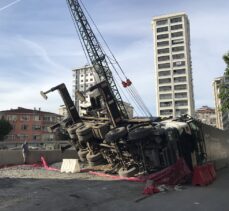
x=29, y=124
x=222, y=118
x=206, y=115
x=84, y=78
x=63, y=111
x=172, y=56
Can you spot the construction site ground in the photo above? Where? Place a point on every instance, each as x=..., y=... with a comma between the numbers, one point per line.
x=27, y=188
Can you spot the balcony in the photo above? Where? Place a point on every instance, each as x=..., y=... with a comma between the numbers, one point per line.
x=165, y=88
x=165, y=104
x=180, y=87
x=162, y=44
x=181, y=103
x=164, y=73
x=178, y=41
x=181, y=95
x=178, y=48
x=164, y=81
x=163, y=51
x=165, y=65
x=179, y=71
x=176, y=27
x=165, y=96
x=180, y=79
x=162, y=22
x=162, y=29
x=168, y=112
x=179, y=64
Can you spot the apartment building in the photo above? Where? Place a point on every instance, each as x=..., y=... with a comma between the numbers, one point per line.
x=84, y=78
x=206, y=115
x=222, y=118
x=172, y=57
x=29, y=124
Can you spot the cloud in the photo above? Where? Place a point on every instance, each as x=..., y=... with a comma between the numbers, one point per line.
x=39, y=46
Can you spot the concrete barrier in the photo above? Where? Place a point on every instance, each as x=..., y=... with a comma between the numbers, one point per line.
x=8, y=157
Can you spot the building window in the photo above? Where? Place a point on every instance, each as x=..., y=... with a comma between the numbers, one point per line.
x=180, y=79
x=161, y=44
x=176, y=20
x=180, y=87
x=181, y=111
x=164, y=50
x=37, y=118
x=162, y=22
x=177, y=41
x=181, y=103
x=181, y=95
x=163, y=58
x=36, y=127
x=178, y=64
x=179, y=48
x=47, y=137
x=177, y=34
x=166, y=112
x=25, y=117
x=166, y=65
x=176, y=27
x=91, y=79
x=81, y=81
x=178, y=56
x=49, y=119
x=164, y=80
x=22, y=137
x=165, y=104
x=11, y=118
x=10, y=137
x=164, y=73
x=24, y=127
x=165, y=96
x=162, y=29
x=165, y=88
x=162, y=36
x=36, y=137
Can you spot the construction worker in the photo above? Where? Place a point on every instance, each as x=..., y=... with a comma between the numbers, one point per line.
x=25, y=151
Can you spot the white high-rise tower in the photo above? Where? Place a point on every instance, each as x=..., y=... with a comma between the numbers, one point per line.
x=173, y=65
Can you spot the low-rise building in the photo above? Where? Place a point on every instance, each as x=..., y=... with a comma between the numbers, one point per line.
x=222, y=118
x=206, y=115
x=29, y=124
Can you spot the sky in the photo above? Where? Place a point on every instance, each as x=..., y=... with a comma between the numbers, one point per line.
x=39, y=46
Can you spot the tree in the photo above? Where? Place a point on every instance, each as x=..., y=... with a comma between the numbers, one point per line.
x=224, y=87
x=5, y=128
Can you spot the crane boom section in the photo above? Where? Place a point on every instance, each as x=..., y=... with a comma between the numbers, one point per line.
x=95, y=53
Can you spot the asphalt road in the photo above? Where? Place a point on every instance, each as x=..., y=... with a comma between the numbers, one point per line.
x=21, y=194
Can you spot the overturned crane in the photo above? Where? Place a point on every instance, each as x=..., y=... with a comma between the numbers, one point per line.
x=107, y=135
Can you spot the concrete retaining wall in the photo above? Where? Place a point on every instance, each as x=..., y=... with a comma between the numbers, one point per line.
x=15, y=156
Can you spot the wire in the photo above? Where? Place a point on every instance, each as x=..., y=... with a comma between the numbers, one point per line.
x=125, y=96
x=132, y=92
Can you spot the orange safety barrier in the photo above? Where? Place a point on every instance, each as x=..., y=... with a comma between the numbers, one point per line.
x=204, y=174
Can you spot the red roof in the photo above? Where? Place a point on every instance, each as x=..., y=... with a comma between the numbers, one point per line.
x=21, y=110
